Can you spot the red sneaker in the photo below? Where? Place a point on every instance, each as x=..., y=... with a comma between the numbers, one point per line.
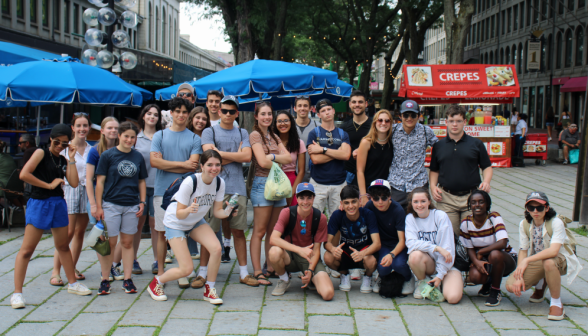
x=210, y=295
x=155, y=289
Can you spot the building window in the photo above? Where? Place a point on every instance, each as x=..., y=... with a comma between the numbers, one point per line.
x=515, y=16
x=507, y=56
x=492, y=27
x=6, y=7
x=134, y=39
x=549, y=46
x=543, y=53
x=520, y=58
x=487, y=28
x=491, y=59
x=558, y=51
x=76, y=18
x=560, y=9
x=569, y=52
x=521, y=15
x=56, y=11
x=483, y=31
x=535, y=11
x=514, y=57
x=66, y=16
x=84, y=26
x=551, y=8
x=579, y=46
x=529, y=12
x=502, y=21
x=544, y=9
x=175, y=31
x=33, y=11
x=509, y=20
x=20, y=9
x=45, y=12
x=571, y=5
x=156, y=28
x=163, y=26
x=525, y=59
x=581, y=3
x=171, y=35
x=149, y=19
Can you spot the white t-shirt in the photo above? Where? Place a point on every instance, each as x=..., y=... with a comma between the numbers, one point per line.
x=205, y=195
x=80, y=163
x=216, y=122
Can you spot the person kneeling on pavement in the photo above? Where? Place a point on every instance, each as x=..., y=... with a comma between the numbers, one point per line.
x=296, y=245
x=360, y=240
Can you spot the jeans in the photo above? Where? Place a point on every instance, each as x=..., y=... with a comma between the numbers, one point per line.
x=519, y=142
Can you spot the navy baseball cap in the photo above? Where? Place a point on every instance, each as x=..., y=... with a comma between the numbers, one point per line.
x=409, y=106
x=305, y=187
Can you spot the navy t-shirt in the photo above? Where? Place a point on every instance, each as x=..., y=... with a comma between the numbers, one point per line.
x=332, y=172
x=123, y=172
x=389, y=222
x=354, y=234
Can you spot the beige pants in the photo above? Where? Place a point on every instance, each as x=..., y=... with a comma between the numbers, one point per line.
x=327, y=196
x=535, y=271
x=456, y=208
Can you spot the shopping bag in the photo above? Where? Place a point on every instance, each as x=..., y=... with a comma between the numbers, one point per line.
x=574, y=156
x=277, y=185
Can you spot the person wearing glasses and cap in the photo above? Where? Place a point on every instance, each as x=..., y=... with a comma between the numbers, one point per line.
x=545, y=255
x=410, y=140
x=185, y=91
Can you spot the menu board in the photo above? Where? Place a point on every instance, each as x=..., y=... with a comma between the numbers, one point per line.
x=502, y=131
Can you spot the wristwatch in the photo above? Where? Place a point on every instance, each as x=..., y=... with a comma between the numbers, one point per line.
x=392, y=254
x=143, y=202
x=324, y=150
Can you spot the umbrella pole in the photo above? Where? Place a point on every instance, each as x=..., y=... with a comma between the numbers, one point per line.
x=61, y=115
x=38, y=138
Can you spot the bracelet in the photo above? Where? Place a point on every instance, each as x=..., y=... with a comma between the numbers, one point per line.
x=72, y=162
x=366, y=194
x=274, y=159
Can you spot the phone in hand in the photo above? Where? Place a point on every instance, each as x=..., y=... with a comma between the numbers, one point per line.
x=488, y=267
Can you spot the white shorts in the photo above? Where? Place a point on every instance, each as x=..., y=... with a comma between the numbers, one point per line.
x=76, y=199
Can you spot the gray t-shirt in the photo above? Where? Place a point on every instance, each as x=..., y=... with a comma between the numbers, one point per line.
x=569, y=137
x=303, y=134
x=228, y=141
x=143, y=146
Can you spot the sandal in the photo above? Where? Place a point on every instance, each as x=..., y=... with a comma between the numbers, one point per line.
x=260, y=277
x=59, y=282
x=249, y=281
x=80, y=276
x=271, y=274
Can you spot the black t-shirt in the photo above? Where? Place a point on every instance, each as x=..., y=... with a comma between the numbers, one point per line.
x=458, y=163
x=377, y=164
x=123, y=172
x=355, y=135
x=389, y=222
x=50, y=168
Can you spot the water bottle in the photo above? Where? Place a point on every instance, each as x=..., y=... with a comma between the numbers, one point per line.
x=95, y=234
x=233, y=203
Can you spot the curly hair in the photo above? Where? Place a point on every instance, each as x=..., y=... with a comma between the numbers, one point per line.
x=176, y=102
x=293, y=138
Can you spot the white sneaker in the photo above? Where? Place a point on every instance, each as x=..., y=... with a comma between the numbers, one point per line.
x=417, y=294
x=376, y=282
x=168, y=257
x=17, y=301
x=345, y=284
x=366, y=286
x=335, y=274
x=408, y=286
x=355, y=275
x=78, y=289
x=548, y=139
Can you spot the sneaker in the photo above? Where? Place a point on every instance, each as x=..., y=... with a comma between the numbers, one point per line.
x=485, y=290
x=115, y=274
x=417, y=291
x=225, y=258
x=355, y=275
x=168, y=257
x=198, y=282
x=154, y=268
x=556, y=313
x=549, y=139
x=376, y=283
x=137, y=268
x=211, y=296
x=196, y=256
x=183, y=282
x=281, y=287
x=366, y=285
x=345, y=284
x=493, y=297
x=335, y=274
x=78, y=289
x=408, y=286
x=129, y=286
x=104, y=288
x=17, y=301
x=565, y=162
x=538, y=295
x=155, y=289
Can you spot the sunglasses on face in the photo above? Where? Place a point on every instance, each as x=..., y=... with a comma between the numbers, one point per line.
x=60, y=143
x=378, y=198
x=532, y=208
x=384, y=121
x=229, y=111
x=303, y=225
x=185, y=94
x=407, y=115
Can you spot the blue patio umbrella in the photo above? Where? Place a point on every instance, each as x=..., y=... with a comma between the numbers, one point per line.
x=11, y=53
x=147, y=95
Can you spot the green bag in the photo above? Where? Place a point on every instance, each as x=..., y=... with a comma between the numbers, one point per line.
x=103, y=246
x=277, y=185
x=574, y=156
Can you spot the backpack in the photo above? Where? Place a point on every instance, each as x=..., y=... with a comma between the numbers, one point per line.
x=175, y=186
x=317, y=132
x=391, y=285
x=316, y=218
x=571, y=245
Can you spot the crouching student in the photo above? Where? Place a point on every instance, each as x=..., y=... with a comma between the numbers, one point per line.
x=296, y=245
x=431, y=246
x=360, y=240
x=390, y=216
x=185, y=216
x=545, y=254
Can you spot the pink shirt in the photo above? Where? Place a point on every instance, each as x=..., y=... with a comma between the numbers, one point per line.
x=290, y=167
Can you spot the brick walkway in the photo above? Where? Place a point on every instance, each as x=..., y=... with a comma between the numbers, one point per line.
x=253, y=311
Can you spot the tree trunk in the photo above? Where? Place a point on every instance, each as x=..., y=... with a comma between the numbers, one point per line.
x=245, y=37
x=280, y=30
x=365, y=79
x=457, y=28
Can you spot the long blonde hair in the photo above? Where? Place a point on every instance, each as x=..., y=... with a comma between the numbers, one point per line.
x=103, y=143
x=372, y=135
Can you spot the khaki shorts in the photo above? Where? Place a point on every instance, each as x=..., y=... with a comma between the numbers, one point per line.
x=536, y=272
x=159, y=213
x=299, y=264
x=238, y=222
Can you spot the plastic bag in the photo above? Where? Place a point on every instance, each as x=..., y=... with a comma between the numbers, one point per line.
x=277, y=185
x=432, y=293
x=574, y=156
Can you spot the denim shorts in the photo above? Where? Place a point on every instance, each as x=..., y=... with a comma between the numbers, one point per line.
x=257, y=198
x=549, y=124
x=149, y=209
x=175, y=233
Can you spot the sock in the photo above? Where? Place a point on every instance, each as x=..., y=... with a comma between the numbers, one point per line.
x=243, y=272
x=556, y=302
x=539, y=285
x=203, y=271
x=285, y=277
x=73, y=284
x=227, y=242
x=210, y=284
x=492, y=287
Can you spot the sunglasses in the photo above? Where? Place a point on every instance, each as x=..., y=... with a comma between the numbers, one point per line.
x=384, y=121
x=185, y=94
x=303, y=225
x=60, y=143
x=229, y=111
x=77, y=114
x=330, y=140
x=378, y=198
x=532, y=208
x=412, y=115
x=300, y=97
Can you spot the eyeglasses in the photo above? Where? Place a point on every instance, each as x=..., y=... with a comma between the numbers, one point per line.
x=384, y=121
x=77, y=114
x=61, y=143
x=229, y=111
x=185, y=94
x=303, y=225
x=283, y=122
x=532, y=208
x=378, y=198
x=407, y=115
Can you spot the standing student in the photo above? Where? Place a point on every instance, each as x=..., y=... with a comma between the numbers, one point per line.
x=47, y=210
x=120, y=201
x=284, y=127
x=304, y=125
x=184, y=217
x=267, y=148
x=213, y=104
x=149, y=123
x=431, y=247
x=356, y=128
x=520, y=134
x=455, y=168
x=232, y=144
x=185, y=91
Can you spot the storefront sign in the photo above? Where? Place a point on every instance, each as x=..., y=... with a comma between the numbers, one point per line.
x=374, y=86
x=440, y=131
x=534, y=55
x=480, y=131
x=502, y=131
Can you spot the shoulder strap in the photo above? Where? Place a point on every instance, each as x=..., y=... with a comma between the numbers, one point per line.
x=213, y=136
x=194, y=183
x=241, y=134
x=340, y=133
x=291, y=222
x=218, y=183
x=526, y=226
x=316, y=219
x=549, y=227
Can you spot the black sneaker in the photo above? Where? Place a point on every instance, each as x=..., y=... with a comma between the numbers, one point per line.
x=104, y=288
x=225, y=258
x=485, y=290
x=494, y=297
x=129, y=286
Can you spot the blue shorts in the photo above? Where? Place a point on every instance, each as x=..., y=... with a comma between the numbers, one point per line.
x=175, y=233
x=257, y=198
x=47, y=213
x=549, y=124
x=149, y=209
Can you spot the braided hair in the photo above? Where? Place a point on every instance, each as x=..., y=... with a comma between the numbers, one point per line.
x=269, y=129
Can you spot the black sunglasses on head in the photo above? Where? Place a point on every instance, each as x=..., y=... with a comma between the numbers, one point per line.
x=532, y=208
x=413, y=115
x=229, y=111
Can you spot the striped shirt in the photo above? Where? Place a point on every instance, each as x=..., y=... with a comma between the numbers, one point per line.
x=492, y=231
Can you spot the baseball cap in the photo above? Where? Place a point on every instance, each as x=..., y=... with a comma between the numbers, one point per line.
x=380, y=183
x=304, y=187
x=409, y=106
x=186, y=86
x=322, y=103
x=230, y=99
x=59, y=130
x=573, y=126
x=537, y=196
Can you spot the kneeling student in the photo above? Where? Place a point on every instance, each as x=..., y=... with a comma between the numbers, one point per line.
x=296, y=244
x=360, y=240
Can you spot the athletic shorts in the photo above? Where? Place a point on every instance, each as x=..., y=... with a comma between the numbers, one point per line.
x=76, y=199
x=47, y=213
x=120, y=218
x=238, y=222
x=299, y=264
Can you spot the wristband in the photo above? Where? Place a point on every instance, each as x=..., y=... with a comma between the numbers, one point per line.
x=274, y=159
x=72, y=162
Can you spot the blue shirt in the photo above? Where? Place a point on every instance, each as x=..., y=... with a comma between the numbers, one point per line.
x=123, y=172
x=173, y=146
x=389, y=222
x=354, y=234
x=93, y=157
x=332, y=172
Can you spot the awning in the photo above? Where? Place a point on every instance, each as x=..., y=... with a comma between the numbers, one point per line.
x=560, y=81
x=576, y=84
x=463, y=101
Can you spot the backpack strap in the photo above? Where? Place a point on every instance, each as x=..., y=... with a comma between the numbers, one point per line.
x=316, y=219
x=291, y=222
x=213, y=136
x=217, y=183
x=194, y=183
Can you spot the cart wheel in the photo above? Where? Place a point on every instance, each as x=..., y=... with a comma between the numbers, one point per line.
x=537, y=162
x=543, y=162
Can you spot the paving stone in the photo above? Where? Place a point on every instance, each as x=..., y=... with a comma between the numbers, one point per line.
x=410, y=300
x=505, y=304
x=62, y=306
x=563, y=331
x=465, y=318
x=316, y=305
x=282, y=333
x=509, y=320
x=369, y=301
x=330, y=324
x=519, y=332
x=294, y=292
x=242, y=297
x=38, y=329
x=543, y=322
x=92, y=324
x=415, y=316
x=373, y=322
x=529, y=308
x=578, y=287
x=147, y=312
x=274, y=313
x=192, y=309
x=134, y=331
x=579, y=315
x=230, y=322
x=567, y=298
x=185, y=327
x=11, y=316
x=197, y=294
x=118, y=300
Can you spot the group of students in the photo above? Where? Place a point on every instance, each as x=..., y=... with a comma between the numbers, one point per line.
x=361, y=194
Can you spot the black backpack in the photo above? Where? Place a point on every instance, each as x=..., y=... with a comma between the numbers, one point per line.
x=316, y=218
x=391, y=285
x=175, y=186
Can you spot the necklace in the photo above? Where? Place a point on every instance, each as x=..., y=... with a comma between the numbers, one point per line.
x=56, y=166
x=358, y=125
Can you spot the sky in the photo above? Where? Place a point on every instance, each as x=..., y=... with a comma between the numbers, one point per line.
x=204, y=33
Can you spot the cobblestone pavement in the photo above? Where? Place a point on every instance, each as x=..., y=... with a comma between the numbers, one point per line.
x=253, y=311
